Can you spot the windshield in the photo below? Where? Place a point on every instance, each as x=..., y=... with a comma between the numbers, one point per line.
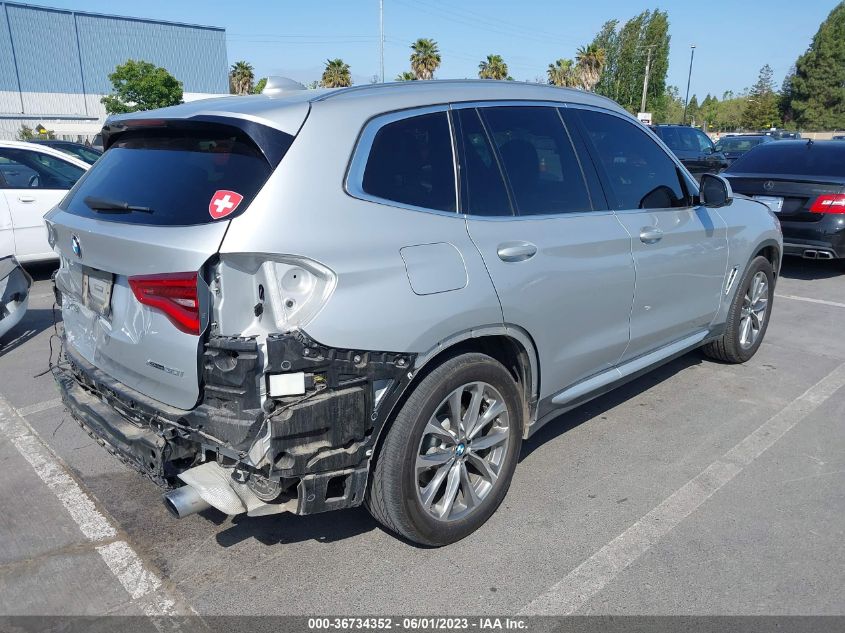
x=793, y=158
x=176, y=175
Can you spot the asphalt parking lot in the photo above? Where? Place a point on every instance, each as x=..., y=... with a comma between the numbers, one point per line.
x=701, y=488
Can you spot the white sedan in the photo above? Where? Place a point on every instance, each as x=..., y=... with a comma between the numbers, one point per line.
x=33, y=179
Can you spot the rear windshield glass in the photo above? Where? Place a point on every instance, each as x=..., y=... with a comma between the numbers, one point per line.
x=171, y=177
x=738, y=143
x=793, y=158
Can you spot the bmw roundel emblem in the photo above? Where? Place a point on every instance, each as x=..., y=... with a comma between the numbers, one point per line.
x=75, y=246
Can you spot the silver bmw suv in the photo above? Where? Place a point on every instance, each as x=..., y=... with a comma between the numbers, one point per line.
x=314, y=300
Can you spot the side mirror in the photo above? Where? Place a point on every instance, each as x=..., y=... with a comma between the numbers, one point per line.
x=715, y=191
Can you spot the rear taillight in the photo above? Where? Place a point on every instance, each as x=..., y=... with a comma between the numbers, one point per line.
x=829, y=203
x=174, y=294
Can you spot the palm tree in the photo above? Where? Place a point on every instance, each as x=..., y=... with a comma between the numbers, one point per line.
x=590, y=62
x=425, y=58
x=336, y=74
x=406, y=76
x=494, y=67
x=241, y=78
x=562, y=73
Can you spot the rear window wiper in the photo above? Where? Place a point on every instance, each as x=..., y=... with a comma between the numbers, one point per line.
x=104, y=205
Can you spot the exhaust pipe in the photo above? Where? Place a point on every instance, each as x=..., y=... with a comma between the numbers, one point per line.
x=810, y=254
x=824, y=255
x=184, y=501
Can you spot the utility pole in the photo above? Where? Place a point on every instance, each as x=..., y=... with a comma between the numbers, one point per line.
x=645, y=79
x=381, y=36
x=689, y=77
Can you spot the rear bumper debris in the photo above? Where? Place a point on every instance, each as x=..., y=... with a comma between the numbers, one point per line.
x=304, y=453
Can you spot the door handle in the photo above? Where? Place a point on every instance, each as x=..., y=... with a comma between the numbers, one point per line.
x=651, y=235
x=26, y=199
x=516, y=251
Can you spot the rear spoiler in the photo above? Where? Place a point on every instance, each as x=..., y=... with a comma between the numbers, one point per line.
x=272, y=143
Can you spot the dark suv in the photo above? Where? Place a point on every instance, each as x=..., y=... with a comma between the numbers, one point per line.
x=693, y=147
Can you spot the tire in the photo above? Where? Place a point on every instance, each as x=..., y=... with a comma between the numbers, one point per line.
x=735, y=346
x=397, y=489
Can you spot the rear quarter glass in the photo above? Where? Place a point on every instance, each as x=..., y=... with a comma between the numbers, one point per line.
x=176, y=173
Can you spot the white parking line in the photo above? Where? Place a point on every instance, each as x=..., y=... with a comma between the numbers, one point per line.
x=38, y=407
x=141, y=584
x=811, y=300
x=591, y=576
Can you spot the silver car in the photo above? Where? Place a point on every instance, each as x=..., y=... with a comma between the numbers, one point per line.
x=312, y=300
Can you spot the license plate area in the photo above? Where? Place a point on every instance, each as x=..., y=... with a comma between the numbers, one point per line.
x=96, y=290
x=773, y=202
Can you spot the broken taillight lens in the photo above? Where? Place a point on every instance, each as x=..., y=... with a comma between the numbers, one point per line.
x=173, y=294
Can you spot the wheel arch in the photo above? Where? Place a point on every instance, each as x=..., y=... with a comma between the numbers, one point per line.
x=510, y=345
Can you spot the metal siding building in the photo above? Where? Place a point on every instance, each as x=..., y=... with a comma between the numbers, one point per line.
x=54, y=63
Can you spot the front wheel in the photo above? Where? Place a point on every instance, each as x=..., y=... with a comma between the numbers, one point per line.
x=450, y=454
x=748, y=315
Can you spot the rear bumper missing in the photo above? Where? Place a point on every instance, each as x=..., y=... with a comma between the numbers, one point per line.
x=313, y=448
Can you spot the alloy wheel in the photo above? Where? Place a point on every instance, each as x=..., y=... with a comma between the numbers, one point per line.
x=462, y=451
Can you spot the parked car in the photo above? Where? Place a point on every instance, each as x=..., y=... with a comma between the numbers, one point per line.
x=693, y=147
x=803, y=182
x=15, y=283
x=78, y=150
x=782, y=134
x=33, y=178
x=373, y=295
x=838, y=137
x=732, y=147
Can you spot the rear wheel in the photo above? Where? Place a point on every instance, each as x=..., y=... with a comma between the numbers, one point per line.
x=449, y=457
x=748, y=315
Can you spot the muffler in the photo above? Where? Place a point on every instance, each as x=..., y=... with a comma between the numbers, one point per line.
x=824, y=255
x=184, y=501
x=810, y=254
x=209, y=485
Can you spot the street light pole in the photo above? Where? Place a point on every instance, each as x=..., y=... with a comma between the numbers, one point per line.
x=381, y=36
x=645, y=79
x=689, y=77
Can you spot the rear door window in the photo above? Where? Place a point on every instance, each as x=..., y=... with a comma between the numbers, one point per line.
x=539, y=161
x=638, y=173
x=482, y=186
x=176, y=174
x=411, y=162
x=26, y=169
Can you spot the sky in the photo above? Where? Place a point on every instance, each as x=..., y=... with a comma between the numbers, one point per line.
x=733, y=38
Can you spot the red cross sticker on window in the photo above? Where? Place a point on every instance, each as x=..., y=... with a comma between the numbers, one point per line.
x=223, y=203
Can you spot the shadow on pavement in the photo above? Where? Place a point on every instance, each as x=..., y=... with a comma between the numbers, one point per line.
x=596, y=408
x=289, y=528
x=795, y=268
x=35, y=321
x=41, y=271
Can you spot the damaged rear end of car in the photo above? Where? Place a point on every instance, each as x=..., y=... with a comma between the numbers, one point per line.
x=189, y=362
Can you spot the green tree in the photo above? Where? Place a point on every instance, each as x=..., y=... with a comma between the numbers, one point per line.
x=589, y=64
x=787, y=114
x=626, y=52
x=761, y=108
x=562, y=73
x=425, y=58
x=671, y=108
x=692, y=109
x=818, y=87
x=259, y=86
x=26, y=133
x=336, y=74
x=608, y=39
x=140, y=85
x=494, y=67
x=406, y=76
x=241, y=78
